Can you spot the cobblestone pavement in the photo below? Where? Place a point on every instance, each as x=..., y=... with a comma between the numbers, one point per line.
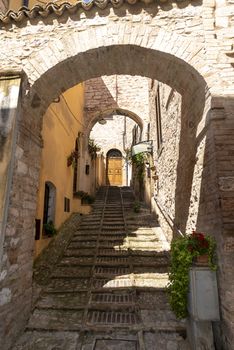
x=107, y=290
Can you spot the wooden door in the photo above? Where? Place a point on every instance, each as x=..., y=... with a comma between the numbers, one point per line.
x=114, y=171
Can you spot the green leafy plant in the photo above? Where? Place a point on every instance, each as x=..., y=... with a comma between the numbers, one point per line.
x=84, y=196
x=71, y=159
x=184, y=250
x=139, y=161
x=49, y=228
x=136, y=207
x=93, y=148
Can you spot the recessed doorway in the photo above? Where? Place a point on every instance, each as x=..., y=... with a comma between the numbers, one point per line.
x=114, y=167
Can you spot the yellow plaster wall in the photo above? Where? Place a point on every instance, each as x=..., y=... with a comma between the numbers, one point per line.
x=61, y=125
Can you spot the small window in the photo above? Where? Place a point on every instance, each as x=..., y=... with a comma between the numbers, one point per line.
x=25, y=3
x=75, y=184
x=66, y=204
x=148, y=131
x=158, y=120
x=37, y=229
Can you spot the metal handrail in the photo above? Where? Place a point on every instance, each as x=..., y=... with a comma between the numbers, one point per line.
x=168, y=218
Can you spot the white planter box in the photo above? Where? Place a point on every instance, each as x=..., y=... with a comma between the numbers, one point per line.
x=203, y=301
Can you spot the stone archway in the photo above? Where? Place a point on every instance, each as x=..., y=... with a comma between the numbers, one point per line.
x=117, y=111
x=59, y=78
x=64, y=62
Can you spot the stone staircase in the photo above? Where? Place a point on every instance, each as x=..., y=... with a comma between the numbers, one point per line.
x=107, y=290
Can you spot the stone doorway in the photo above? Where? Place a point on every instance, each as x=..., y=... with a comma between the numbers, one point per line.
x=114, y=168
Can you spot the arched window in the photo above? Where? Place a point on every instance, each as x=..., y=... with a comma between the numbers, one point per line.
x=114, y=153
x=49, y=203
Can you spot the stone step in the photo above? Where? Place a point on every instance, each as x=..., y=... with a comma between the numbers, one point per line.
x=150, y=261
x=86, y=233
x=156, y=299
x=112, y=298
x=111, y=252
x=112, y=237
x=81, y=244
x=107, y=244
x=90, y=228
x=150, y=269
x=71, y=272
x=113, y=214
x=112, y=234
x=63, y=301
x=61, y=285
x=112, y=222
x=111, y=270
x=111, y=260
x=117, y=339
x=113, y=229
x=76, y=261
x=59, y=320
x=79, y=252
x=112, y=318
x=84, y=238
x=135, y=245
x=102, y=283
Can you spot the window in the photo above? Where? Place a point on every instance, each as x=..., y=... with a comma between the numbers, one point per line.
x=158, y=120
x=66, y=204
x=75, y=167
x=25, y=3
x=37, y=229
x=49, y=202
x=148, y=131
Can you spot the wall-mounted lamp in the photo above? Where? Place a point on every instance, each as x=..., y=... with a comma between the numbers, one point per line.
x=102, y=121
x=56, y=100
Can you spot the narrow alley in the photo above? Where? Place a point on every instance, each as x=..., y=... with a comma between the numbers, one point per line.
x=108, y=288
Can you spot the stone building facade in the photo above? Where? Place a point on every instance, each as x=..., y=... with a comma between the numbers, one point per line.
x=190, y=49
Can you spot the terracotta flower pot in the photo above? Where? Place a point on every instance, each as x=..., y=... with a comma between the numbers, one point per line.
x=202, y=260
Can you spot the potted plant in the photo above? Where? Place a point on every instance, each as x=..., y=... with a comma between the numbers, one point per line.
x=184, y=253
x=136, y=207
x=93, y=149
x=85, y=197
x=49, y=229
x=71, y=159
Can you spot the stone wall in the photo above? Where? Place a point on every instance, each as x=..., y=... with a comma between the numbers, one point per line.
x=16, y=264
x=210, y=208
x=166, y=155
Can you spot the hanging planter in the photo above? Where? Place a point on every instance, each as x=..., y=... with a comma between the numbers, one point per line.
x=72, y=158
